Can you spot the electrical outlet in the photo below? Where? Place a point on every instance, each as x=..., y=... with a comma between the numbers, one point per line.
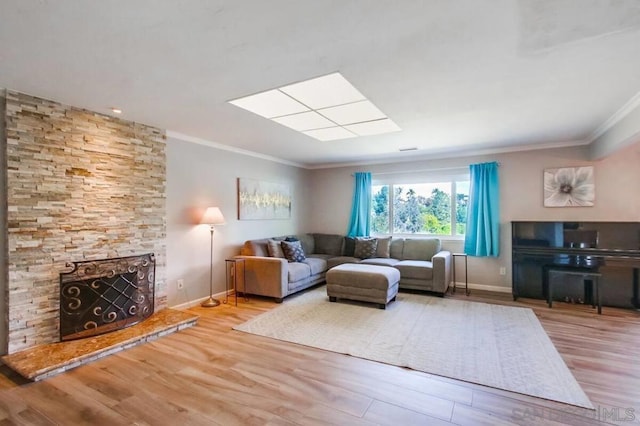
x=180, y=284
x=503, y=270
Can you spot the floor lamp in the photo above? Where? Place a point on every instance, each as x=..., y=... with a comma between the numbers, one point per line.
x=212, y=217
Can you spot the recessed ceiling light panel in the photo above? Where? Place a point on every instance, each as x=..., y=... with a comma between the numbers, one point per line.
x=330, y=134
x=373, y=127
x=305, y=121
x=270, y=104
x=323, y=92
x=353, y=113
x=326, y=108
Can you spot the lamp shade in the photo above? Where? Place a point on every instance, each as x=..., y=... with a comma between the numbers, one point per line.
x=212, y=216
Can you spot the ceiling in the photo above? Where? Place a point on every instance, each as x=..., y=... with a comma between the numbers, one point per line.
x=458, y=76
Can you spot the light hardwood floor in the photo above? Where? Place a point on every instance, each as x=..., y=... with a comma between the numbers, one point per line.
x=211, y=374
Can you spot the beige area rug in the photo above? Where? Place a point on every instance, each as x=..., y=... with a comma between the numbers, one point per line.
x=499, y=346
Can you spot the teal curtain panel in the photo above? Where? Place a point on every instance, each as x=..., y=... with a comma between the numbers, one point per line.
x=360, y=224
x=482, y=237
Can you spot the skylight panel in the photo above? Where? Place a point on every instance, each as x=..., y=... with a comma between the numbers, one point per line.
x=330, y=134
x=325, y=108
x=272, y=103
x=373, y=127
x=353, y=113
x=325, y=91
x=305, y=121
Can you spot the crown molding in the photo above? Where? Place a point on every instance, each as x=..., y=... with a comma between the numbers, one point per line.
x=210, y=144
x=463, y=153
x=617, y=116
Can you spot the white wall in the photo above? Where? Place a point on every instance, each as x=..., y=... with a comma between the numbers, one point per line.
x=200, y=176
x=521, y=193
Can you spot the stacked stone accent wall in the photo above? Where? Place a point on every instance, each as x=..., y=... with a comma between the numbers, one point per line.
x=80, y=186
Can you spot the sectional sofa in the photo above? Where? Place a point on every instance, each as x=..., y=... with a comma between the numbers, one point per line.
x=422, y=263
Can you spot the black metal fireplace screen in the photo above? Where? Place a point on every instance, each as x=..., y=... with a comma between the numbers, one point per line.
x=100, y=296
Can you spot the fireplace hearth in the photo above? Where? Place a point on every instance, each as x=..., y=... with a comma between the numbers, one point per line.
x=101, y=296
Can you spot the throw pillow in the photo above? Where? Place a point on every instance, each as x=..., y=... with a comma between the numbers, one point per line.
x=384, y=246
x=293, y=251
x=365, y=248
x=275, y=249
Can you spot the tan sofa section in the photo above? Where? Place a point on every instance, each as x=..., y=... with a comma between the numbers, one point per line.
x=423, y=265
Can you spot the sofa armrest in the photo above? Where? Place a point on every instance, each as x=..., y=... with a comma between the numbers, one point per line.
x=266, y=276
x=441, y=271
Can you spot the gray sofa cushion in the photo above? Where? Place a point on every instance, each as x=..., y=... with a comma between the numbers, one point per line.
x=420, y=249
x=307, y=242
x=339, y=260
x=383, y=247
x=416, y=269
x=349, y=246
x=320, y=256
x=380, y=261
x=298, y=271
x=316, y=264
x=328, y=244
x=395, y=251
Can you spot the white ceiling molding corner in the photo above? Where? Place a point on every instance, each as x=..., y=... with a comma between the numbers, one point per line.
x=619, y=115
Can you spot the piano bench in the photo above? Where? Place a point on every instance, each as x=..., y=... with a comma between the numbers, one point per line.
x=594, y=277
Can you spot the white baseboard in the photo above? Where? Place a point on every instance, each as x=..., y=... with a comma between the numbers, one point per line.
x=485, y=287
x=197, y=302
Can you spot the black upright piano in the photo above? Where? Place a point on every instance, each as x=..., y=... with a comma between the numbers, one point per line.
x=610, y=248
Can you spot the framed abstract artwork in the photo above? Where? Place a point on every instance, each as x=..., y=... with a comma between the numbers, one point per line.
x=569, y=187
x=258, y=200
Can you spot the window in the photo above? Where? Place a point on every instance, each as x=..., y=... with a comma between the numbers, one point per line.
x=438, y=208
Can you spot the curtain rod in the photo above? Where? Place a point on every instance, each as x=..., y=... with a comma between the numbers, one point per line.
x=422, y=170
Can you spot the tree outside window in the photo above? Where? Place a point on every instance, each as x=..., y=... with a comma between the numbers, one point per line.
x=380, y=209
x=423, y=208
x=462, y=200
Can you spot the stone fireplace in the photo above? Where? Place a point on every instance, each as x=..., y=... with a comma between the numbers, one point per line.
x=81, y=186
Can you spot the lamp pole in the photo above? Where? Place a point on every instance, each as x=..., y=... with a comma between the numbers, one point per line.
x=212, y=217
x=210, y=302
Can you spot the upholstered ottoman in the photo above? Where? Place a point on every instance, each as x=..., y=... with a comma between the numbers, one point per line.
x=364, y=283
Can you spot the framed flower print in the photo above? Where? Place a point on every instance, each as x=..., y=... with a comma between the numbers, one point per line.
x=569, y=187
